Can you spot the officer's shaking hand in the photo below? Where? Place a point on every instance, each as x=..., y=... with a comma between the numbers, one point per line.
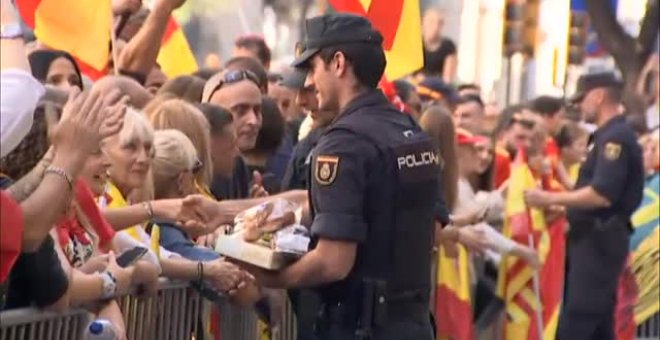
x=585, y=198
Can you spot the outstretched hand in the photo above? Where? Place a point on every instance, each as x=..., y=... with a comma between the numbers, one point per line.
x=202, y=212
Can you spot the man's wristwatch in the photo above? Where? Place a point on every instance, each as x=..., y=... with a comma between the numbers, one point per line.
x=11, y=31
x=109, y=285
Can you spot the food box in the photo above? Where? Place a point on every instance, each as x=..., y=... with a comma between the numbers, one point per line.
x=235, y=247
x=267, y=235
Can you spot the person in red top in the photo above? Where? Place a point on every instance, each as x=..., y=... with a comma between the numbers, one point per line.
x=514, y=129
x=11, y=233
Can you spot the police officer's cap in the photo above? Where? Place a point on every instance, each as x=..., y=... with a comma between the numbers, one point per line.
x=334, y=29
x=593, y=81
x=294, y=80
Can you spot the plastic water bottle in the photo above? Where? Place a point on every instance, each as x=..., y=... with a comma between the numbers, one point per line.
x=100, y=329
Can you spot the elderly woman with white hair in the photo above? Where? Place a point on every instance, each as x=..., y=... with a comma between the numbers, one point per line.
x=130, y=155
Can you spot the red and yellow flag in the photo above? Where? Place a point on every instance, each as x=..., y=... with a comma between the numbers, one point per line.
x=453, y=305
x=515, y=281
x=399, y=23
x=79, y=27
x=175, y=57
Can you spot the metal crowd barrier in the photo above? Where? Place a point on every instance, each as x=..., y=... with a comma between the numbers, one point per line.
x=174, y=314
x=35, y=324
x=650, y=329
x=171, y=315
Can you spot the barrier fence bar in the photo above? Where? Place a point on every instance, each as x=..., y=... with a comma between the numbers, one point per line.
x=173, y=315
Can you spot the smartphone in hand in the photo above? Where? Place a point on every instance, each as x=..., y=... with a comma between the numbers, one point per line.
x=129, y=257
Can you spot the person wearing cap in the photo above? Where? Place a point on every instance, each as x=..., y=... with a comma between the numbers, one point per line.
x=373, y=188
x=608, y=190
x=296, y=176
x=433, y=90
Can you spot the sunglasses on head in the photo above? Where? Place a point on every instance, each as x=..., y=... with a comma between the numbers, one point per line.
x=231, y=77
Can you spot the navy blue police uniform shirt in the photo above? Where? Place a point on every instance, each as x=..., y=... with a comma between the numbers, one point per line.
x=614, y=169
x=296, y=175
x=349, y=182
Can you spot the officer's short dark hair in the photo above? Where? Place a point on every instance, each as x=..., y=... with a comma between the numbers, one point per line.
x=273, y=128
x=256, y=44
x=547, y=105
x=217, y=116
x=368, y=60
x=249, y=64
x=469, y=98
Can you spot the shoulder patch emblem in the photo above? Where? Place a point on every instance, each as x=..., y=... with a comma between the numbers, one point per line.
x=325, y=169
x=612, y=151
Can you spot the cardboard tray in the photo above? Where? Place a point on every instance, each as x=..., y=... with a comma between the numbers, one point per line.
x=235, y=247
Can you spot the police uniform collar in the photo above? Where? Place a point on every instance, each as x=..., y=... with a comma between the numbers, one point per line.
x=370, y=97
x=614, y=120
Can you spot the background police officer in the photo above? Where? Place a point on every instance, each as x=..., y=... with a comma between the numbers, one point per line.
x=608, y=190
x=373, y=189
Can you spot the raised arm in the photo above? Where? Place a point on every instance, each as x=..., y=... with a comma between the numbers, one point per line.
x=139, y=55
x=12, y=51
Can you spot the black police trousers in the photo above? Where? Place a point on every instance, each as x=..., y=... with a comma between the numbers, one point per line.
x=596, y=254
x=305, y=304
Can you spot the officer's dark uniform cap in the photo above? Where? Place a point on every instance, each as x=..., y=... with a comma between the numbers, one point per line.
x=334, y=29
x=593, y=81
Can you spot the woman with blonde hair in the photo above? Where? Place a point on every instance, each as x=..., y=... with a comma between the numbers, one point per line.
x=130, y=155
x=174, y=164
x=179, y=115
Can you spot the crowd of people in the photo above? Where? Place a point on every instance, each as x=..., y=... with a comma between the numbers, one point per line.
x=92, y=169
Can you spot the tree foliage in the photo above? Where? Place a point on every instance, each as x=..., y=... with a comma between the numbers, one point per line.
x=630, y=53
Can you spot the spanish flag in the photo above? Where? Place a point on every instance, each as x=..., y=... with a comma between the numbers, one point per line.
x=175, y=57
x=515, y=281
x=400, y=24
x=453, y=306
x=80, y=27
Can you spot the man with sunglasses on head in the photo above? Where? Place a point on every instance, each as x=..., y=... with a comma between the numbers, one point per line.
x=239, y=92
x=373, y=184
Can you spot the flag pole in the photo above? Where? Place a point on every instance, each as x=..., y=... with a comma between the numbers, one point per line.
x=537, y=291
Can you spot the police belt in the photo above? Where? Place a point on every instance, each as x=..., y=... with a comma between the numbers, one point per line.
x=403, y=306
x=581, y=225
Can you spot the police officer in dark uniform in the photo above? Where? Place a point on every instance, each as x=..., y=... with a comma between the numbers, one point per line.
x=296, y=175
x=373, y=190
x=608, y=190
